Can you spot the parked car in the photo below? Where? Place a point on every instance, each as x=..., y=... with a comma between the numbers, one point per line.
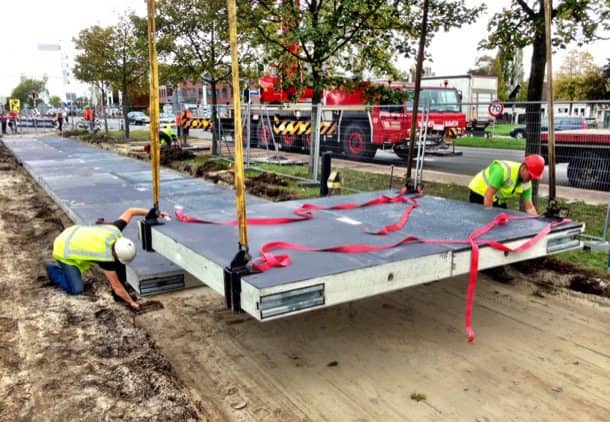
x=165, y=118
x=561, y=123
x=137, y=118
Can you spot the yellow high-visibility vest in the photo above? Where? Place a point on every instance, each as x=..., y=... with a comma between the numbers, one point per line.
x=509, y=188
x=82, y=245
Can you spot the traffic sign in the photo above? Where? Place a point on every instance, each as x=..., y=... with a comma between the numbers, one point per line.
x=496, y=108
x=14, y=104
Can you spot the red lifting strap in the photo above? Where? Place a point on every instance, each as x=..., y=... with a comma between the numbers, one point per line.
x=304, y=213
x=267, y=260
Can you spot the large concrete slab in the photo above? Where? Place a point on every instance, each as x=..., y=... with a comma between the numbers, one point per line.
x=89, y=183
x=324, y=278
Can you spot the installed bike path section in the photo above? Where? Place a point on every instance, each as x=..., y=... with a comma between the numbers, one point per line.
x=89, y=183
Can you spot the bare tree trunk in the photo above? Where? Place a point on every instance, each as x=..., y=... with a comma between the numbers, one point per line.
x=215, y=119
x=532, y=110
x=104, y=108
x=125, y=108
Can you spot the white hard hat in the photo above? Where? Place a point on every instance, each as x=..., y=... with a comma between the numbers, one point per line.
x=125, y=250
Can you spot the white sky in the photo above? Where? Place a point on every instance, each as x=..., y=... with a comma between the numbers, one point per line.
x=26, y=24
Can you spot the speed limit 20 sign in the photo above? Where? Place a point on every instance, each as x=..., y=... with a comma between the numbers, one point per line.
x=496, y=108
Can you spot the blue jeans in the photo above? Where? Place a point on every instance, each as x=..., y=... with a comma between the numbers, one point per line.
x=66, y=276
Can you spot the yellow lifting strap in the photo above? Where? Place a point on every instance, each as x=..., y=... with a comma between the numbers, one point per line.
x=240, y=185
x=154, y=104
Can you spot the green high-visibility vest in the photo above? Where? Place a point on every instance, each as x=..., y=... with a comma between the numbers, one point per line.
x=82, y=245
x=509, y=187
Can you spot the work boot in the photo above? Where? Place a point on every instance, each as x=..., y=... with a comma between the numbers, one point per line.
x=500, y=274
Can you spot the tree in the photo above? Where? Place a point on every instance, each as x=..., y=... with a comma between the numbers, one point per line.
x=26, y=87
x=91, y=63
x=197, y=32
x=312, y=39
x=606, y=80
x=485, y=65
x=511, y=69
x=508, y=68
x=523, y=24
x=579, y=78
x=119, y=58
x=443, y=15
x=55, y=101
x=129, y=67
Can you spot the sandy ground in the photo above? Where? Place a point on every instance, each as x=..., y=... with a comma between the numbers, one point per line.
x=70, y=358
x=542, y=353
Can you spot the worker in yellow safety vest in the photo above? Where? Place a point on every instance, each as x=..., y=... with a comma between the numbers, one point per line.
x=167, y=137
x=502, y=180
x=80, y=247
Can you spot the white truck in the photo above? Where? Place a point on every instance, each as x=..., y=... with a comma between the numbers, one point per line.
x=477, y=92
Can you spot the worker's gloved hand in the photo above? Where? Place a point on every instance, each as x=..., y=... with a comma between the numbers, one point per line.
x=134, y=305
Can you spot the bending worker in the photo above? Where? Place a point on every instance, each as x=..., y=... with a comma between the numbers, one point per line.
x=79, y=247
x=502, y=180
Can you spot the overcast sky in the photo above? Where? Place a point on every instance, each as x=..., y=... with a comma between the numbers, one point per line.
x=24, y=25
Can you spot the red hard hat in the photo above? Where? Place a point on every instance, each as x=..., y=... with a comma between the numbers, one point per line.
x=535, y=166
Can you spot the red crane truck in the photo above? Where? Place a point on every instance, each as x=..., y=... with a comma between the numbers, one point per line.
x=353, y=127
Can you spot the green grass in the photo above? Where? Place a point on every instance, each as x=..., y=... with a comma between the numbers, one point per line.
x=496, y=142
x=501, y=129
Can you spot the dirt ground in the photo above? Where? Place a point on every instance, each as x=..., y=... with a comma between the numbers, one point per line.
x=541, y=351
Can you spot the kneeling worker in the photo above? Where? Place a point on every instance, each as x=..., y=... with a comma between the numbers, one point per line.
x=502, y=180
x=79, y=247
x=167, y=138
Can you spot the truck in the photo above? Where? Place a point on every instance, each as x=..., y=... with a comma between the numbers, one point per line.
x=587, y=153
x=350, y=125
x=476, y=92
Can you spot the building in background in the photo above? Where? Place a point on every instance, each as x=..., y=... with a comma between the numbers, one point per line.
x=197, y=96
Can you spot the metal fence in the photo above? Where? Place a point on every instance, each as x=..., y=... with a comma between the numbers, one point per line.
x=582, y=136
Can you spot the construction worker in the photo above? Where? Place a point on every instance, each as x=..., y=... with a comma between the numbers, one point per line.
x=167, y=137
x=79, y=247
x=185, y=117
x=501, y=180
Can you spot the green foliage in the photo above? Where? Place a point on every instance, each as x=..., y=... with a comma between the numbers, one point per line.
x=579, y=78
x=115, y=56
x=313, y=42
x=196, y=35
x=55, y=101
x=95, y=53
x=24, y=90
x=443, y=15
x=522, y=24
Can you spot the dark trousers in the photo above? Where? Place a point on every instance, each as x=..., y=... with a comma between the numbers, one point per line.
x=475, y=198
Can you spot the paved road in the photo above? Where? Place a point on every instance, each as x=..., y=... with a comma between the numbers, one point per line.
x=472, y=160
x=469, y=163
